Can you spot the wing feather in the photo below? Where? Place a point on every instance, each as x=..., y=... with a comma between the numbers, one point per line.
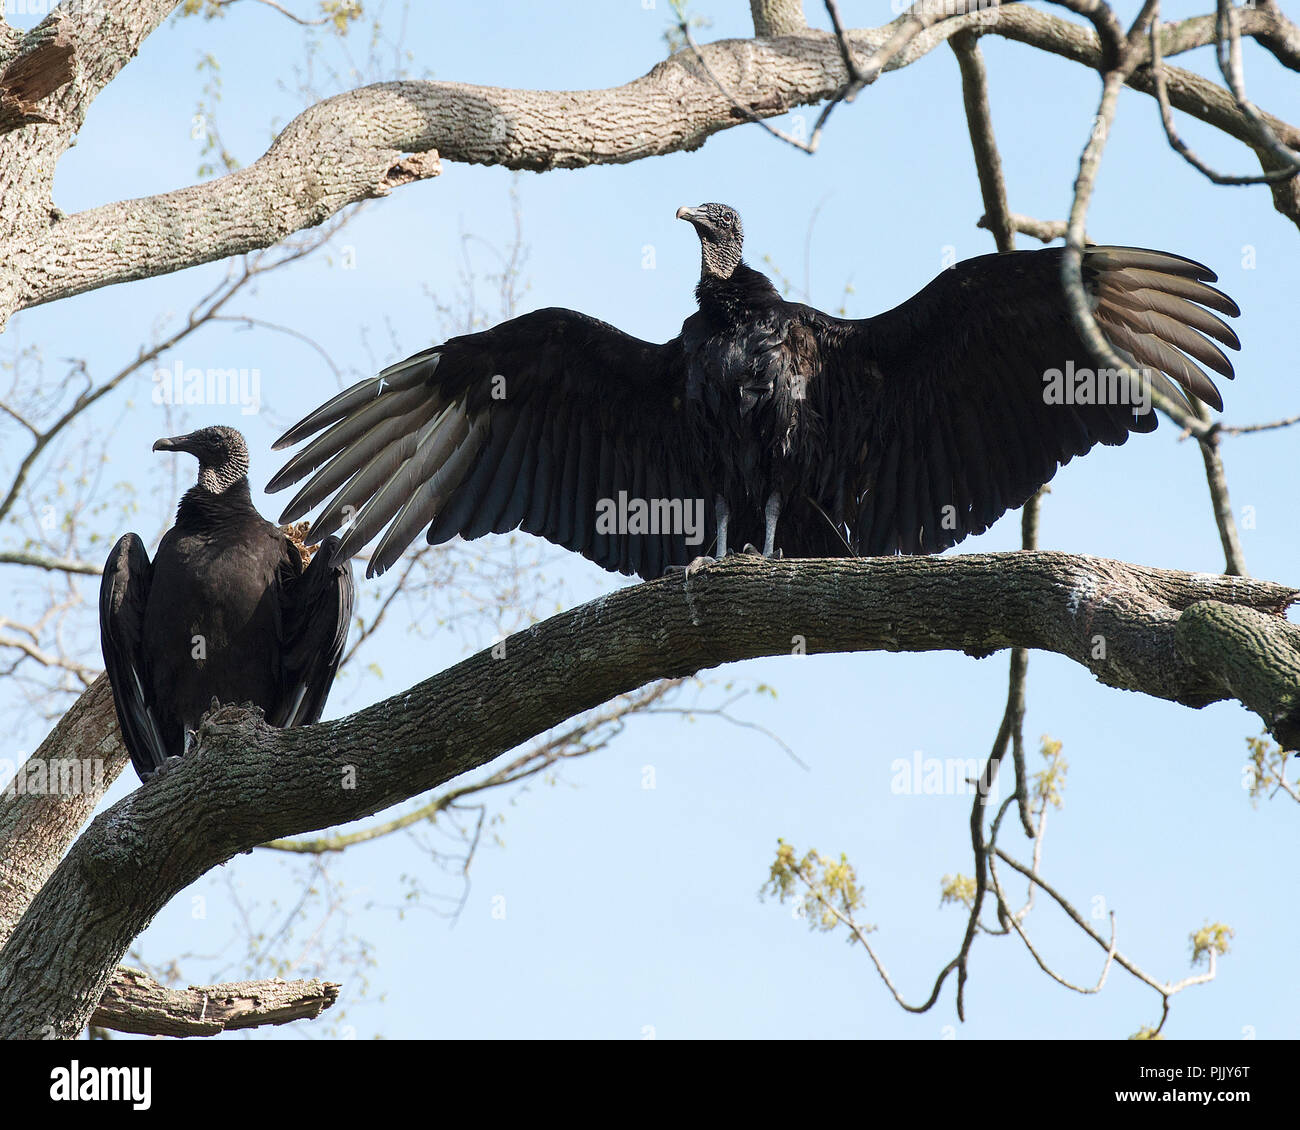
x=961, y=390
x=123, y=596
x=527, y=425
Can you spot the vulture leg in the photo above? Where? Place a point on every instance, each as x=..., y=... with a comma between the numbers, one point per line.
x=720, y=550
x=770, y=515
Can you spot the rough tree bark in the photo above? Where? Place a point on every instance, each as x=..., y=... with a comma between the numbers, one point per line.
x=1190, y=638
x=777, y=17
x=135, y=1002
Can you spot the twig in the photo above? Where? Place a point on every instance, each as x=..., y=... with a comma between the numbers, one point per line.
x=921, y=15
x=1171, y=133
x=1247, y=429
x=979, y=121
x=50, y=564
x=1228, y=52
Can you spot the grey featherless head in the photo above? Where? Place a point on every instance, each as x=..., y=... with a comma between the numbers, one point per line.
x=721, y=237
x=221, y=452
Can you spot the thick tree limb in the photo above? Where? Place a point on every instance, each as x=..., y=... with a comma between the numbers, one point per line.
x=135, y=1002
x=36, y=827
x=246, y=783
x=353, y=146
x=45, y=103
x=1276, y=33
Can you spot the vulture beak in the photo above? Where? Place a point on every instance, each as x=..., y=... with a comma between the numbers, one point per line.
x=692, y=215
x=174, y=443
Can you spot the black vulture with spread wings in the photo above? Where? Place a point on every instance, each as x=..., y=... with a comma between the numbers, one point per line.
x=225, y=610
x=778, y=425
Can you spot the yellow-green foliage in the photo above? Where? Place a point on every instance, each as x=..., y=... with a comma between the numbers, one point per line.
x=828, y=886
x=957, y=889
x=1266, y=767
x=1050, y=783
x=1210, y=939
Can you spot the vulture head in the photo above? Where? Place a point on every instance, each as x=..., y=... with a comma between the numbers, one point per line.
x=720, y=235
x=221, y=452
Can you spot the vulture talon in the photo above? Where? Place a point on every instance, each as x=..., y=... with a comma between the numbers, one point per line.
x=168, y=764
x=696, y=565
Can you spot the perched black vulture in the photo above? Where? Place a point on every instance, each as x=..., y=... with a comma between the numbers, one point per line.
x=225, y=610
x=777, y=424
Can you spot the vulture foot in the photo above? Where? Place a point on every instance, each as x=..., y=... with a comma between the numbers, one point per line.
x=688, y=571
x=170, y=763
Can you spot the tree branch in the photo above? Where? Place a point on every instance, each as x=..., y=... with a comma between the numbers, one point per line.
x=777, y=17
x=354, y=146
x=45, y=823
x=979, y=122
x=42, y=65
x=135, y=1002
x=257, y=783
x=50, y=564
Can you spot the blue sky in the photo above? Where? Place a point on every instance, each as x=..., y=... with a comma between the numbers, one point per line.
x=631, y=911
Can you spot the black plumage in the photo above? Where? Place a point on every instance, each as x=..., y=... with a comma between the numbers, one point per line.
x=225, y=610
x=790, y=429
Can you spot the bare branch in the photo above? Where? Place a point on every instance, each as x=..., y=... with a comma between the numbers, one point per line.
x=50, y=564
x=1247, y=429
x=979, y=120
x=1045, y=231
x=1217, y=480
x=135, y=1002
x=1176, y=142
x=1228, y=52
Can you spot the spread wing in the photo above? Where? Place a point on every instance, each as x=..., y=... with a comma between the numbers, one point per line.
x=956, y=406
x=123, y=595
x=315, y=613
x=538, y=424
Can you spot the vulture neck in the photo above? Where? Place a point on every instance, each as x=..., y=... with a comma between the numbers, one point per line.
x=733, y=299
x=205, y=509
